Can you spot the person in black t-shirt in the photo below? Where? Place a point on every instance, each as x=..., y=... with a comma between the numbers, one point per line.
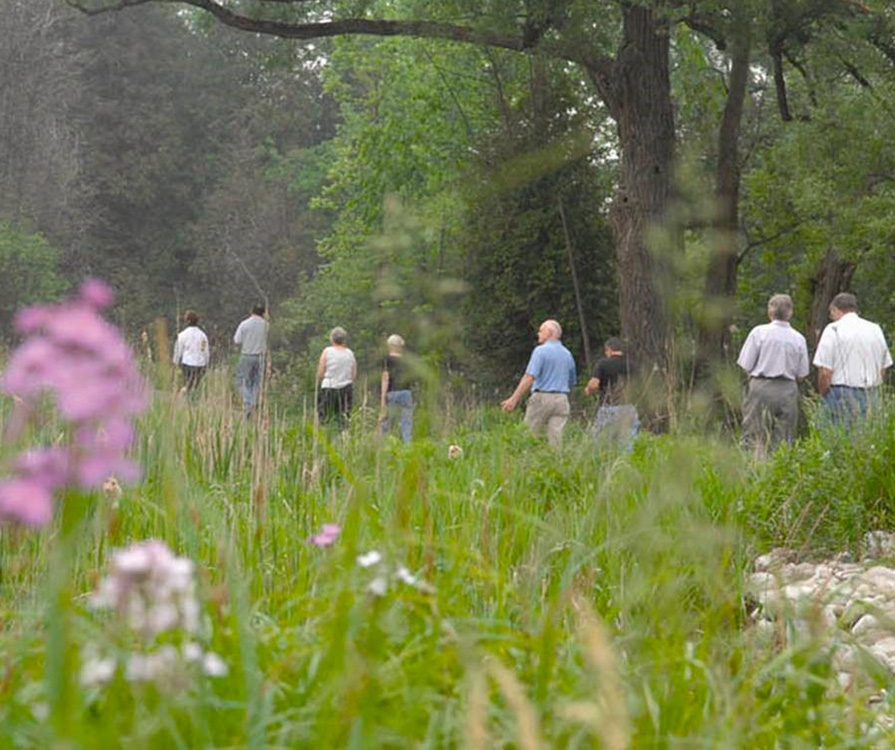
x=617, y=419
x=396, y=393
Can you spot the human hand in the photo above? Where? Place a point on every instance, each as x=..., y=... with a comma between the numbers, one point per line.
x=508, y=405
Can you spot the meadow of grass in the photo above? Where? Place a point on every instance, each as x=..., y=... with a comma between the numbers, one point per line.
x=579, y=599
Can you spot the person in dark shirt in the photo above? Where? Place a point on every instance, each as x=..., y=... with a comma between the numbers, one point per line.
x=396, y=393
x=617, y=421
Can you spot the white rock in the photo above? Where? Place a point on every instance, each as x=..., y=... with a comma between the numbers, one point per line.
x=878, y=544
x=774, y=559
x=798, y=571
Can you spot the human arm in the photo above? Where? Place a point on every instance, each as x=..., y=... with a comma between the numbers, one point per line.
x=887, y=356
x=321, y=367
x=178, y=350
x=803, y=368
x=353, y=368
x=524, y=384
x=749, y=353
x=824, y=379
x=385, y=381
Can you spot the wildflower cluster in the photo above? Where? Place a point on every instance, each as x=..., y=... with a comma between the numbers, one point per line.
x=154, y=592
x=79, y=358
x=384, y=573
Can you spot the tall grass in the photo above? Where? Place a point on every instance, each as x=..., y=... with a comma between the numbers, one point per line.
x=581, y=599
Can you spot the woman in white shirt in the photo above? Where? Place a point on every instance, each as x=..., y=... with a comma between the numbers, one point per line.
x=191, y=351
x=336, y=372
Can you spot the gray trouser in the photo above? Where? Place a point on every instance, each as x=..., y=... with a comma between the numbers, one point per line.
x=770, y=412
x=550, y=412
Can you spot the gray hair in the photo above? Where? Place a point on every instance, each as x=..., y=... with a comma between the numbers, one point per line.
x=780, y=307
x=395, y=342
x=338, y=335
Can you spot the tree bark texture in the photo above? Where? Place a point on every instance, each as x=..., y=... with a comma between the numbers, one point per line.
x=638, y=93
x=833, y=275
x=721, y=275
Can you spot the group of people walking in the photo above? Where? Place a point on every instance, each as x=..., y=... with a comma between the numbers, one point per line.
x=336, y=371
x=192, y=354
x=851, y=359
x=551, y=374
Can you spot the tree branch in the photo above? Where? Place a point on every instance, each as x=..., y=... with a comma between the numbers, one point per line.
x=95, y=11
x=369, y=27
x=752, y=244
x=780, y=85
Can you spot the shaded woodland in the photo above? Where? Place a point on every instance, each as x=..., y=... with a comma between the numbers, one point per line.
x=455, y=171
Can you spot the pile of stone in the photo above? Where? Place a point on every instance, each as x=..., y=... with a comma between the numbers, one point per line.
x=850, y=605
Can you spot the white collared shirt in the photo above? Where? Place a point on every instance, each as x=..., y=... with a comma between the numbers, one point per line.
x=855, y=350
x=775, y=350
x=191, y=348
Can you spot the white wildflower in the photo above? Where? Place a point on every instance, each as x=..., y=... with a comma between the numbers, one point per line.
x=454, y=452
x=213, y=665
x=371, y=558
x=378, y=586
x=96, y=671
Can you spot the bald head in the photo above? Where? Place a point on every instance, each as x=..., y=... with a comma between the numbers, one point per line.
x=550, y=330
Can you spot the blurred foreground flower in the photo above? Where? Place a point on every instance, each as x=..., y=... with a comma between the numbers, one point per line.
x=154, y=592
x=379, y=585
x=79, y=358
x=152, y=588
x=327, y=536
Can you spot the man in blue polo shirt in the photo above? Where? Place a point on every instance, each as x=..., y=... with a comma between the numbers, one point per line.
x=550, y=375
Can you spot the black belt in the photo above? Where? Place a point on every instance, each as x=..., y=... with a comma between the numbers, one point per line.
x=778, y=377
x=564, y=392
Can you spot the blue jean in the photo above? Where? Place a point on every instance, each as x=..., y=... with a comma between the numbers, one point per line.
x=617, y=425
x=248, y=378
x=402, y=401
x=846, y=405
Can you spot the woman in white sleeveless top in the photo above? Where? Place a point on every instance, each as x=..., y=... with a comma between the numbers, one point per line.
x=336, y=372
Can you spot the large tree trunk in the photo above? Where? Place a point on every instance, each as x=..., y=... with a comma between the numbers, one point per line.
x=721, y=276
x=639, y=97
x=833, y=276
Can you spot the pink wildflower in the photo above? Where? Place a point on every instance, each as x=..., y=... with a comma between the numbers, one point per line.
x=25, y=501
x=329, y=532
x=83, y=361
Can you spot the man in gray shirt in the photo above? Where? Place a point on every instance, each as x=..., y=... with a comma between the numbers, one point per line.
x=775, y=356
x=251, y=335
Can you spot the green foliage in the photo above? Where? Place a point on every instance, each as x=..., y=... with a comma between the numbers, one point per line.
x=30, y=273
x=518, y=543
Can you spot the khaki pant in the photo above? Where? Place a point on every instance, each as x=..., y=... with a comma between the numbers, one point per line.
x=770, y=413
x=548, y=411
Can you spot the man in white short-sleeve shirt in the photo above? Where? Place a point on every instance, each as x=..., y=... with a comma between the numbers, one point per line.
x=851, y=357
x=775, y=356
